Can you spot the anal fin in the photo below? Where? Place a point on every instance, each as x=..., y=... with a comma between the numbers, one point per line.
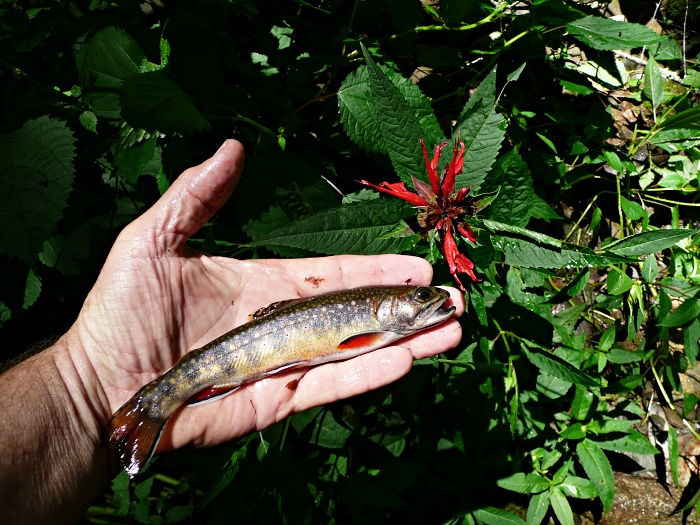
x=211, y=394
x=367, y=340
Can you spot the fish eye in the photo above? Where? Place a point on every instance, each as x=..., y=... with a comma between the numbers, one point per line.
x=424, y=294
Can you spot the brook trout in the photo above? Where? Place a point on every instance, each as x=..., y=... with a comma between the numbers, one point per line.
x=288, y=334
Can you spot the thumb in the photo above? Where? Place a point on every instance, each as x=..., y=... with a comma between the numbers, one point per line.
x=195, y=196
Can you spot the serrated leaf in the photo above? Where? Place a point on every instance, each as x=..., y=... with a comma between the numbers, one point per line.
x=153, y=102
x=225, y=476
x=329, y=433
x=537, y=508
x=494, y=516
x=632, y=443
x=32, y=289
x=556, y=366
x=353, y=228
x=131, y=161
x=605, y=34
x=653, y=83
x=103, y=63
x=482, y=129
x=581, y=404
x=650, y=270
x=525, y=254
x=515, y=75
x=541, y=238
x=400, y=129
x=648, y=242
x=598, y=470
x=36, y=176
x=514, y=202
x=89, y=121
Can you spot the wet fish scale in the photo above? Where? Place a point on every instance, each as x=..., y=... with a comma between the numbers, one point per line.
x=292, y=333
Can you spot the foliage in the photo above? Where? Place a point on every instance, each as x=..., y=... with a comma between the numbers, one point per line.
x=583, y=177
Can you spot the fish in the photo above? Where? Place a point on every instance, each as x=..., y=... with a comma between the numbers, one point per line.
x=288, y=334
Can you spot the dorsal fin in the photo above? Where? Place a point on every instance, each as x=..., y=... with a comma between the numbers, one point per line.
x=268, y=309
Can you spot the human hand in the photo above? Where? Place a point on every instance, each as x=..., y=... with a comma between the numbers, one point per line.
x=155, y=299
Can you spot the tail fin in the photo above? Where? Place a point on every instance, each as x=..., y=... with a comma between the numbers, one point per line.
x=134, y=435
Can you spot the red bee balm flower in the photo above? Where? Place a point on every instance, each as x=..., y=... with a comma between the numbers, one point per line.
x=440, y=207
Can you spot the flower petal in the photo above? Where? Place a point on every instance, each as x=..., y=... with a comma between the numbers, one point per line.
x=424, y=190
x=454, y=169
x=457, y=262
x=466, y=231
x=431, y=166
x=397, y=189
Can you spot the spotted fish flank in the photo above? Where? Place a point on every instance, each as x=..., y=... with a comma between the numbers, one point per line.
x=288, y=334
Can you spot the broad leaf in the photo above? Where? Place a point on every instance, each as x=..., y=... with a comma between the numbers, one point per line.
x=632, y=443
x=103, y=63
x=36, y=176
x=524, y=483
x=153, y=102
x=576, y=487
x=537, y=508
x=648, y=242
x=653, y=83
x=494, y=516
x=482, y=129
x=353, y=228
x=525, y=254
x=561, y=507
x=400, y=129
x=541, y=238
x=598, y=470
x=686, y=312
x=514, y=202
x=605, y=34
x=32, y=289
x=556, y=366
x=359, y=115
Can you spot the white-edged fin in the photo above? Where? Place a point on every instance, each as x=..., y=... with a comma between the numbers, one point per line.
x=211, y=394
x=368, y=340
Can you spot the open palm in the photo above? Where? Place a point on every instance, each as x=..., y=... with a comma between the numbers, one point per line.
x=156, y=299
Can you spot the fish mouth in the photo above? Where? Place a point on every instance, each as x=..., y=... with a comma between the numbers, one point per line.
x=434, y=313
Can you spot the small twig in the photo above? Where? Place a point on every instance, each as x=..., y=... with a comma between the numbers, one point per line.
x=665, y=72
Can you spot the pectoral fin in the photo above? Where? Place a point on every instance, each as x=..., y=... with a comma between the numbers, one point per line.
x=367, y=340
x=211, y=394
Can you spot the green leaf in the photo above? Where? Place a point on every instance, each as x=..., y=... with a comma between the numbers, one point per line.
x=103, y=63
x=632, y=443
x=686, y=312
x=531, y=483
x=576, y=487
x=673, y=453
x=400, y=129
x=225, y=476
x=561, y=507
x=648, y=242
x=153, y=102
x=605, y=34
x=494, y=516
x=178, y=513
x=525, y=254
x=89, y=121
x=514, y=202
x=36, y=176
x=537, y=508
x=132, y=160
x=598, y=470
x=653, y=83
x=581, y=404
x=691, y=335
x=482, y=129
x=359, y=115
x=32, y=289
x=556, y=366
x=353, y=228
x=541, y=238
x=329, y=433
x=687, y=119
x=515, y=75
x=617, y=282
x=650, y=270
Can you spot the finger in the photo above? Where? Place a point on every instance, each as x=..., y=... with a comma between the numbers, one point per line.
x=307, y=277
x=331, y=382
x=196, y=195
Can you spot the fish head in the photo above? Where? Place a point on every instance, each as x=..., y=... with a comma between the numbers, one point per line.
x=410, y=309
